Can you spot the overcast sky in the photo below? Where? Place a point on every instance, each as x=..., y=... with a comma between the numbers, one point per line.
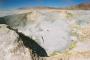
x=10, y=4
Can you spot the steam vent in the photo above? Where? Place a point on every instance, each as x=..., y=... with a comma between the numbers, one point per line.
x=44, y=34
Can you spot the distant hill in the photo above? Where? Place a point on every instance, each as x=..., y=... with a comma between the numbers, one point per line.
x=39, y=7
x=83, y=6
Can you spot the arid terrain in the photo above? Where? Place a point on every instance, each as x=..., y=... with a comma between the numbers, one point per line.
x=45, y=34
x=82, y=6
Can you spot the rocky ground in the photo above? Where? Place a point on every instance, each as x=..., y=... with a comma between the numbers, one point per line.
x=50, y=33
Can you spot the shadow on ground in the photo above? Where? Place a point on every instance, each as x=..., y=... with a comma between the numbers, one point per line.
x=29, y=43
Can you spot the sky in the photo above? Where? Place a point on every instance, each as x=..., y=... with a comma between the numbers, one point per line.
x=11, y=4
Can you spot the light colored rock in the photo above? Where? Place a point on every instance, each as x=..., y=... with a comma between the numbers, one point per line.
x=71, y=56
x=11, y=47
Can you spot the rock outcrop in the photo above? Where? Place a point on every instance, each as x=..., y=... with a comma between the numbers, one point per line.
x=11, y=45
x=16, y=46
